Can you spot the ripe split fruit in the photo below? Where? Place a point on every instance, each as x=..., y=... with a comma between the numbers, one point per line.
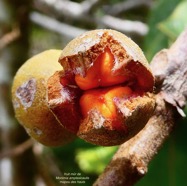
x=103, y=92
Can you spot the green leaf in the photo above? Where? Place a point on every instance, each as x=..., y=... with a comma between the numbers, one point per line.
x=176, y=22
x=157, y=40
x=94, y=160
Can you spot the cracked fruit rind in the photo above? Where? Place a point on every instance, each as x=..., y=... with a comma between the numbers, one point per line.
x=106, y=83
x=29, y=95
x=81, y=53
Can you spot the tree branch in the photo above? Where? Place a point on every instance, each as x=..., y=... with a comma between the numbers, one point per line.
x=126, y=26
x=67, y=8
x=130, y=163
x=131, y=160
x=19, y=149
x=83, y=13
x=9, y=37
x=126, y=5
x=47, y=175
x=56, y=26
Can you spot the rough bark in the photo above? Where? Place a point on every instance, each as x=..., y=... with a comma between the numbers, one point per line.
x=131, y=161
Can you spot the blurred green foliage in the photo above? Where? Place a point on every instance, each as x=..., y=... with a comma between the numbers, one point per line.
x=84, y=158
x=89, y=158
x=176, y=22
x=157, y=40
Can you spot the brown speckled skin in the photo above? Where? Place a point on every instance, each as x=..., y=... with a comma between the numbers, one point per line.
x=29, y=95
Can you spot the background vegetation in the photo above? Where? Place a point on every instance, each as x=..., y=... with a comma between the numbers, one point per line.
x=29, y=27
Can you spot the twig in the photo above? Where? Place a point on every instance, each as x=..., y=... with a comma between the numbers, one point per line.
x=56, y=26
x=65, y=7
x=81, y=12
x=17, y=150
x=46, y=174
x=126, y=5
x=88, y=5
x=125, y=26
x=9, y=37
x=131, y=160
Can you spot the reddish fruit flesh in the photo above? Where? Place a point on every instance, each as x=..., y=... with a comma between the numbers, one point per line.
x=103, y=100
x=100, y=74
x=97, y=91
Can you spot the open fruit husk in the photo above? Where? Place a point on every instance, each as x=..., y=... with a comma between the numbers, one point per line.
x=104, y=92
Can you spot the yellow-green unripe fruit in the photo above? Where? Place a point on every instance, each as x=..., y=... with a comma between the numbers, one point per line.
x=29, y=95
